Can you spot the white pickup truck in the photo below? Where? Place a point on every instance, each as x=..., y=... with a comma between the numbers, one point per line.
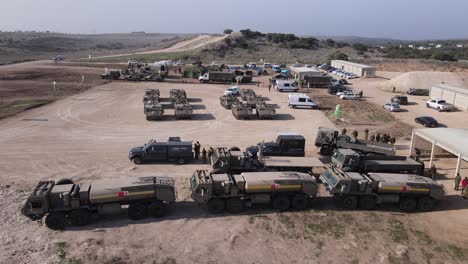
x=439, y=104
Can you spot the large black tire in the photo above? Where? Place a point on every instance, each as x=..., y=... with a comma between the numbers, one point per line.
x=137, y=211
x=300, y=202
x=425, y=204
x=56, y=221
x=156, y=209
x=215, y=206
x=325, y=151
x=367, y=202
x=281, y=203
x=137, y=160
x=181, y=161
x=64, y=182
x=79, y=217
x=408, y=204
x=235, y=205
x=234, y=149
x=350, y=202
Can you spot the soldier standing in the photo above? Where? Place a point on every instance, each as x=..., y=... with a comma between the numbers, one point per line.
x=457, y=182
x=196, y=147
x=377, y=138
x=210, y=153
x=366, y=133
x=204, y=155
x=372, y=137
x=343, y=131
x=355, y=134
x=432, y=171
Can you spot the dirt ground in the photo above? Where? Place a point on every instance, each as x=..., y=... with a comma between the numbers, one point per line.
x=87, y=136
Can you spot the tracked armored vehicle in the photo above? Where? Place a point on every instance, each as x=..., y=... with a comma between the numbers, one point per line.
x=228, y=101
x=177, y=94
x=65, y=203
x=265, y=111
x=244, y=93
x=241, y=111
x=153, y=111
x=111, y=75
x=282, y=190
x=183, y=111
x=254, y=100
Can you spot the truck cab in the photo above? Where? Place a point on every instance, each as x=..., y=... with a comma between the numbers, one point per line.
x=285, y=145
x=179, y=151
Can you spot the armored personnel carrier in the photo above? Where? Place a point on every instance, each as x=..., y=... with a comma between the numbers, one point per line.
x=228, y=101
x=241, y=111
x=183, y=111
x=411, y=192
x=154, y=111
x=265, y=111
x=151, y=96
x=253, y=100
x=234, y=192
x=65, y=203
x=246, y=92
x=175, y=94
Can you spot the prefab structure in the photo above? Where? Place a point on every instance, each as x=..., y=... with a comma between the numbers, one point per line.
x=453, y=95
x=360, y=70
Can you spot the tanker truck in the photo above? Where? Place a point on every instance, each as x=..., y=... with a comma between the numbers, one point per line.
x=65, y=203
x=233, y=192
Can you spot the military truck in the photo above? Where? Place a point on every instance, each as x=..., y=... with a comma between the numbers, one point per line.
x=283, y=190
x=111, y=75
x=241, y=111
x=216, y=76
x=411, y=192
x=183, y=111
x=323, y=81
x=227, y=101
x=291, y=145
x=265, y=111
x=235, y=161
x=350, y=160
x=244, y=93
x=179, y=151
x=65, y=203
x=153, y=111
x=328, y=139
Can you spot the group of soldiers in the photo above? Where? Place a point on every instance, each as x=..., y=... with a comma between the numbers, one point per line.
x=204, y=152
x=385, y=138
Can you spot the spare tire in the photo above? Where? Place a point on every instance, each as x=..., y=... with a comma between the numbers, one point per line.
x=64, y=182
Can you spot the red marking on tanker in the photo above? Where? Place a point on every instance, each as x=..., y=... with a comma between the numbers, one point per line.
x=406, y=188
x=122, y=194
x=275, y=186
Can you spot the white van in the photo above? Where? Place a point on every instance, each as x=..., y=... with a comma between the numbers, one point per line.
x=301, y=100
x=285, y=85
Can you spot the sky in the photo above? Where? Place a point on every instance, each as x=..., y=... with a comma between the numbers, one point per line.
x=397, y=19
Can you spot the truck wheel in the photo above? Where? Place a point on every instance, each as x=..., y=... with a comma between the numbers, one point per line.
x=137, y=160
x=156, y=209
x=300, y=202
x=64, y=182
x=234, y=149
x=427, y=105
x=79, y=217
x=350, y=202
x=215, y=206
x=408, y=204
x=137, y=211
x=281, y=203
x=325, y=151
x=367, y=202
x=56, y=221
x=425, y=204
x=181, y=161
x=235, y=205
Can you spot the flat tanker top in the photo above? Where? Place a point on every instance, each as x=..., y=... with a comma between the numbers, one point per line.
x=251, y=177
x=276, y=161
x=125, y=183
x=400, y=178
x=408, y=161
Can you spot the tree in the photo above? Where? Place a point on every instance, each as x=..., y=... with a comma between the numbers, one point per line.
x=337, y=56
x=330, y=43
x=442, y=56
x=227, y=31
x=360, y=47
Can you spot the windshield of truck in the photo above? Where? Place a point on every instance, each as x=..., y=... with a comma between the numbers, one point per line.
x=337, y=158
x=193, y=182
x=330, y=178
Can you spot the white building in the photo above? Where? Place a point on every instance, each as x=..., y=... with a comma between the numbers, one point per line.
x=358, y=69
x=457, y=96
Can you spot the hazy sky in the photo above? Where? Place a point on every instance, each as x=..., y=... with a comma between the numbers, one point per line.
x=404, y=19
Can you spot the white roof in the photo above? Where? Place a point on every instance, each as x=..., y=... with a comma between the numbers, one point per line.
x=454, y=140
x=352, y=63
x=304, y=69
x=462, y=90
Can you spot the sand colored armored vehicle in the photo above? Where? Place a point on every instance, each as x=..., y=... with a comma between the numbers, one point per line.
x=241, y=111
x=65, y=203
x=246, y=92
x=253, y=100
x=154, y=111
x=265, y=111
x=283, y=190
x=183, y=111
x=228, y=101
x=175, y=94
x=411, y=192
x=111, y=75
x=151, y=96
